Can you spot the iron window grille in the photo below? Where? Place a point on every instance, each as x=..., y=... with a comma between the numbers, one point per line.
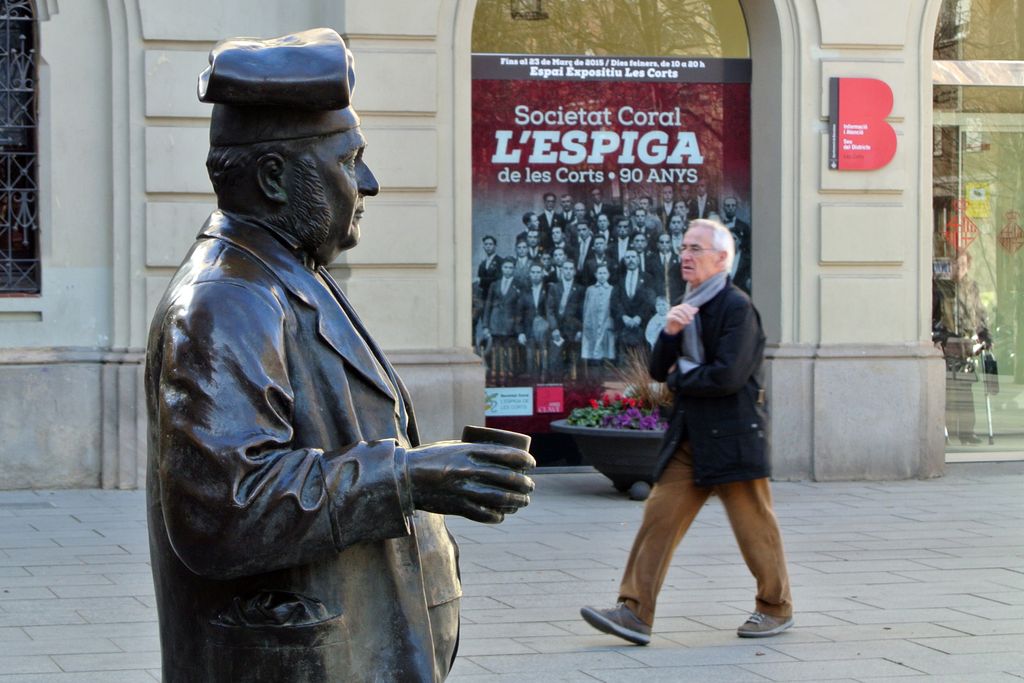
x=19, y=193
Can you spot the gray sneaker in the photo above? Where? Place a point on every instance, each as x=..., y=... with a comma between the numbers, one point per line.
x=618, y=621
x=760, y=625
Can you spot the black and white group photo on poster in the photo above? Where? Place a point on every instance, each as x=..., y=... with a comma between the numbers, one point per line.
x=584, y=277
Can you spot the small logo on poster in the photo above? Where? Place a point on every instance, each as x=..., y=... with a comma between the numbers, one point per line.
x=508, y=401
x=550, y=398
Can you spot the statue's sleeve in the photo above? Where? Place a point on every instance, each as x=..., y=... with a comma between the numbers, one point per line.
x=238, y=498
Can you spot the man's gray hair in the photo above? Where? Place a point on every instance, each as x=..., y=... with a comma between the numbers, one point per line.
x=721, y=238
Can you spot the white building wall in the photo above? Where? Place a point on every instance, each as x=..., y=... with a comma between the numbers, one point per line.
x=842, y=273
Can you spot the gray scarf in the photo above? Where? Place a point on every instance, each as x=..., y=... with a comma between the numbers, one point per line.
x=693, y=347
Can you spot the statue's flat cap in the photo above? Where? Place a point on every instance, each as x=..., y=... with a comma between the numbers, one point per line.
x=295, y=86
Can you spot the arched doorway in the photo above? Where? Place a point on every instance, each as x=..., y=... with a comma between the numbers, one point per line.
x=599, y=130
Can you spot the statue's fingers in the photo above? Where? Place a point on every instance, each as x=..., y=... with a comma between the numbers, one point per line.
x=480, y=513
x=506, y=456
x=504, y=478
x=494, y=497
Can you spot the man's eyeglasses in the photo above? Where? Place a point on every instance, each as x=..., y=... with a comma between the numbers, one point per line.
x=694, y=249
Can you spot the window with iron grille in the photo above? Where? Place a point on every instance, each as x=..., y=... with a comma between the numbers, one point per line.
x=19, y=195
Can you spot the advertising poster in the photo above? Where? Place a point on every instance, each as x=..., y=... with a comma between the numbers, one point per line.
x=586, y=172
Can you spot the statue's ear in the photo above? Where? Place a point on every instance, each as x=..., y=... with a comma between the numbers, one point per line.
x=270, y=176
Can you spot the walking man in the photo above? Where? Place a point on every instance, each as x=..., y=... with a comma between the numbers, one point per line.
x=710, y=354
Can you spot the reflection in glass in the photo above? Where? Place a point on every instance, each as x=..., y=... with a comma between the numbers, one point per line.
x=980, y=29
x=977, y=316
x=665, y=28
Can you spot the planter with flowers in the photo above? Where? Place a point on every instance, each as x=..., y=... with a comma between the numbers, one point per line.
x=620, y=435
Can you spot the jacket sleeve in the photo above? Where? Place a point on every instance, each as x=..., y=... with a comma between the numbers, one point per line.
x=664, y=355
x=735, y=358
x=238, y=496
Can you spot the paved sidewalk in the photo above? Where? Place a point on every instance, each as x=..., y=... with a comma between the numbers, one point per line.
x=902, y=581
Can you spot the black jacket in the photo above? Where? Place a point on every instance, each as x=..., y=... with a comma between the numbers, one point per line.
x=717, y=405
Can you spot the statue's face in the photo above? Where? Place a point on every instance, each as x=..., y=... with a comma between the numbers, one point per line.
x=347, y=180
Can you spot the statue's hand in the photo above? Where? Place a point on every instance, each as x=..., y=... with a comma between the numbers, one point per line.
x=479, y=481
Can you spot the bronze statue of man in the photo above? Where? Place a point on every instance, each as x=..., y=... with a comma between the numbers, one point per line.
x=295, y=521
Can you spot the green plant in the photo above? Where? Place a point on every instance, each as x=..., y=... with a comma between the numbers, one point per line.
x=638, y=407
x=617, y=412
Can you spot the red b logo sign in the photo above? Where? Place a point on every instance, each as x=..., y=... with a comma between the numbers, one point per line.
x=860, y=138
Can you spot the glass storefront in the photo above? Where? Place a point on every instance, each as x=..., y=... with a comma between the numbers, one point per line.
x=978, y=201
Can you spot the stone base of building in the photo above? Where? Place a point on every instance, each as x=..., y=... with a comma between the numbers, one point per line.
x=856, y=412
x=76, y=418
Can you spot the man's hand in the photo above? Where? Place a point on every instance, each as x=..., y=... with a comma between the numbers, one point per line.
x=482, y=482
x=679, y=317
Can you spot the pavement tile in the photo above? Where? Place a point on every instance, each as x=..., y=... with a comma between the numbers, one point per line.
x=11, y=593
x=703, y=674
x=966, y=644
x=138, y=643
x=469, y=647
x=891, y=580
x=957, y=678
x=555, y=663
x=828, y=670
x=896, y=615
x=86, y=630
x=889, y=632
x=549, y=677
x=675, y=656
x=985, y=627
x=896, y=651
x=135, y=676
x=108, y=661
x=27, y=664
x=67, y=646
x=993, y=662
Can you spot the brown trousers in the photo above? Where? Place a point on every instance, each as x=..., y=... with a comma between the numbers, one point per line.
x=672, y=506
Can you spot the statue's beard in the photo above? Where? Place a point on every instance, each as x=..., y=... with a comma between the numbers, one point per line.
x=308, y=216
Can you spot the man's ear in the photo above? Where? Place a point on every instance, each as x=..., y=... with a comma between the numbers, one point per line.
x=270, y=176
